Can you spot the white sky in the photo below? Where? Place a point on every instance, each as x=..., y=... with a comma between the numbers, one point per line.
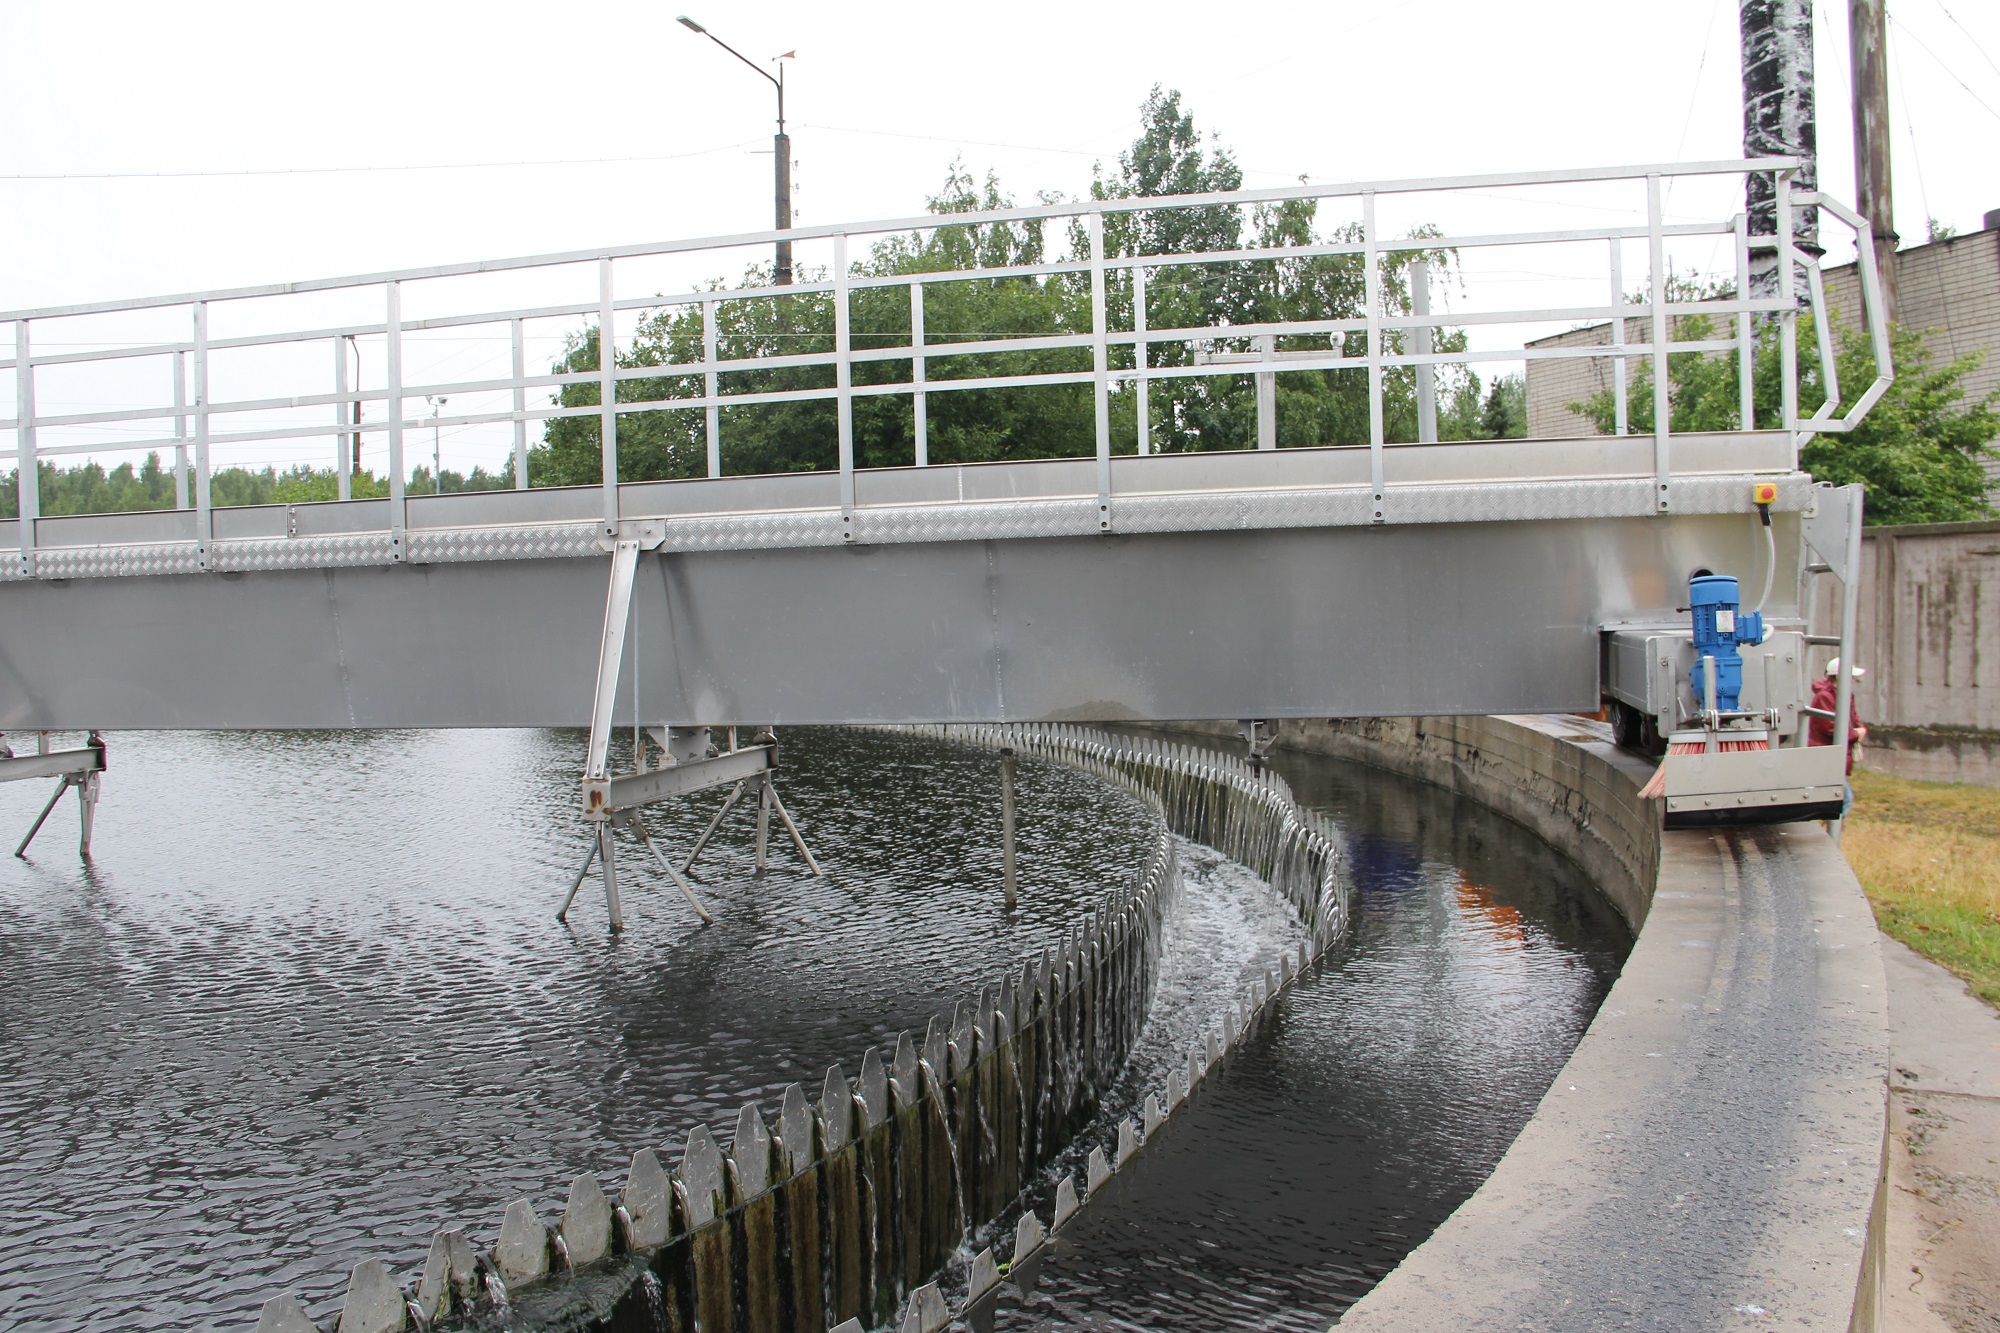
x=882, y=96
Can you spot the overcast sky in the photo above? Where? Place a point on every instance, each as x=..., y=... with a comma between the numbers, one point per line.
x=152, y=148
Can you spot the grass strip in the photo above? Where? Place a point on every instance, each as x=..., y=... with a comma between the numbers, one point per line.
x=1928, y=855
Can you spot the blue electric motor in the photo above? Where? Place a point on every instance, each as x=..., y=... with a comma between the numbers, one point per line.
x=1718, y=630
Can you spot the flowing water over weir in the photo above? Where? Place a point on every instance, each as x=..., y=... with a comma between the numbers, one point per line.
x=863, y=1195
x=245, y=1051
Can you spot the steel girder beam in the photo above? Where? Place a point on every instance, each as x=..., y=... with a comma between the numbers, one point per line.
x=1424, y=619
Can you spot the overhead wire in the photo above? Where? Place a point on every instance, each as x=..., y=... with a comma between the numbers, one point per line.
x=1904, y=28
x=363, y=170
x=1968, y=35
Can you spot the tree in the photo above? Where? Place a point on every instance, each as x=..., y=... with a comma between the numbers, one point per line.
x=962, y=425
x=1044, y=420
x=88, y=489
x=1920, y=452
x=1505, y=416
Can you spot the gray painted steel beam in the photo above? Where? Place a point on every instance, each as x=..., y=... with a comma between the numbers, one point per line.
x=1301, y=622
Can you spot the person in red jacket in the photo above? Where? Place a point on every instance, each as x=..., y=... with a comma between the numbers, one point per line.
x=1825, y=696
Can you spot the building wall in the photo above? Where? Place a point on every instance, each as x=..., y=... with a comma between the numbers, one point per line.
x=1950, y=290
x=1554, y=385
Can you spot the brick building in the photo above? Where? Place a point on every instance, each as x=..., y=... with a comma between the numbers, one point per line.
x=1949, y=290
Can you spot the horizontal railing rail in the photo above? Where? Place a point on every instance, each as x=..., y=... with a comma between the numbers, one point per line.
x=1104, y=351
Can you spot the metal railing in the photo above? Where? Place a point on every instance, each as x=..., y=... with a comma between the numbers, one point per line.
x=197, y=426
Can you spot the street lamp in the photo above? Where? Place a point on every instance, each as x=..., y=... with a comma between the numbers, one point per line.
x=437, y=448
x=781, y=147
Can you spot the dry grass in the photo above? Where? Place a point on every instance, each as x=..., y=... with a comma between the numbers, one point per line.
x=1928, y=853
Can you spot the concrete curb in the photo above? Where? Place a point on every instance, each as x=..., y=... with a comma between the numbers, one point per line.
x=1712, y=1156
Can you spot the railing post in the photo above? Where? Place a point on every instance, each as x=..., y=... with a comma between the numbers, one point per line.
x=520, y=407
x=1142, y=359
x=920, y=406
x=343, y=448
x=27, y=468
x=1850, y=595
x=204, y=511
x=607, y=393
x=180, y=431
x=1788, y=316
x=1656, y=262
x=1100, y=370
x=393, y=372
x=711, y=416
x=1746, y=345
x=1621, y=405
x=843, y=384
x=1371, y=282
x=1427, y=398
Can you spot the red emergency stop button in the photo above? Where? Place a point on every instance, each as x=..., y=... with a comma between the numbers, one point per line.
x=1765, y=492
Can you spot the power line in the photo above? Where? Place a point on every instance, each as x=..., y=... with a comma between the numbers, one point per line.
x=939, y=138
x=1904, y=28
x=332, y=171
x=1968, y=35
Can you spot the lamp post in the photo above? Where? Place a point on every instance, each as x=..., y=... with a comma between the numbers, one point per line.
x=781, y=148
x=437, y=446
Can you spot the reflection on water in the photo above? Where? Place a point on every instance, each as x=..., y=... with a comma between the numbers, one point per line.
x=1380, y=1096
x=311, y=1005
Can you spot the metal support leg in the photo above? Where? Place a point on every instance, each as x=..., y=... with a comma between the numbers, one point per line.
x=763, y=822
x=713, y=825
x=607, y=858
x=1007, y=875
x=590, y=859
x=778, y=802
x=86, y=802
x=61, y=787
x=632, y=822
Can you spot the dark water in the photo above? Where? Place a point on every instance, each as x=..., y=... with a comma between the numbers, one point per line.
x=1388, y=1085
x=310, y=1005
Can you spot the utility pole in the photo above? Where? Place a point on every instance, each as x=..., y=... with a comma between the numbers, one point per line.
x=781, y=148
x=1778, y=122
x=354, y=440
x=1868, y=51
x=437, y=445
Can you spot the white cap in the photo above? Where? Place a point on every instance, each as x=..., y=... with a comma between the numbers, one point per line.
x=1833, y=669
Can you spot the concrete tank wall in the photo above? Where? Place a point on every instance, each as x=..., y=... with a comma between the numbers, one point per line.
x=1712, y=1153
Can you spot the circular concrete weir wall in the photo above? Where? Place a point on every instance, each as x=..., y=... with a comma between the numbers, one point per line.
x=1711, y=1156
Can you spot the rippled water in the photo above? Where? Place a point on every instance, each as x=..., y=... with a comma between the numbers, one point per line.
x=310, y=1005
x=1388, y=1085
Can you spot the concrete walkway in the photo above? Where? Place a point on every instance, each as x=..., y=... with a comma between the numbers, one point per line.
x=1708, y=1157
x=1943, y=1259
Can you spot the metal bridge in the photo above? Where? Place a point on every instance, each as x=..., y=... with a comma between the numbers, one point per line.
x=1378, y=578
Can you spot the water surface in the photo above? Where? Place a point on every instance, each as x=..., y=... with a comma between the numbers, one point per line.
x=1341, y=1133
x=310, y=1003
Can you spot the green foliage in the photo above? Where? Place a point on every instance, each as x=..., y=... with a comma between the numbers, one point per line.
x=89, y=489
x=1506, y=413
x=1920, y=452
x=1043, y=420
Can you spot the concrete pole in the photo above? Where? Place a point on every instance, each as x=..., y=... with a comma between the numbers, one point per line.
x=781, y=147
x=1421, y=345
x=1267, y=397
x=1868, y=52
x=1778, y=121
x=1007, y=870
